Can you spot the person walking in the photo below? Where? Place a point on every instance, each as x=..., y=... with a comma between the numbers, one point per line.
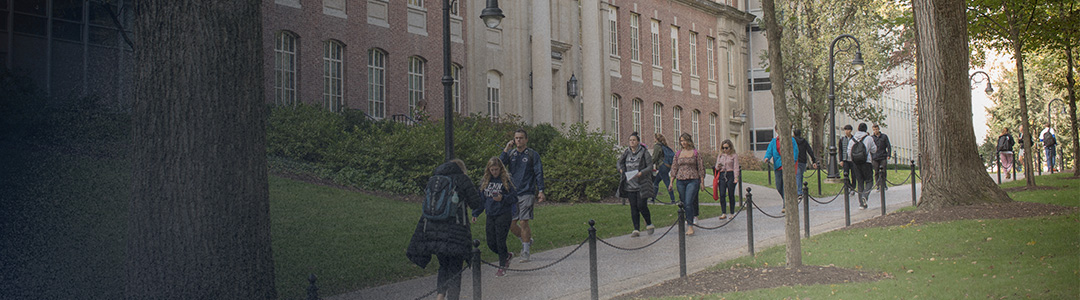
x=527, y=174
x=662, y=156
x=448, y=239
x=1049, y=139
x=727, y=172
x=805, y=151
x=688, y=170
x=773, y=154
x=859, y=148
x=1005, y=144
x=500, y=204
x=1029, y=142
x=881, y=156
x=635, y=165
x=845, y=158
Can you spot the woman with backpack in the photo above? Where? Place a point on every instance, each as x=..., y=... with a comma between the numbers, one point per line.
x=662, y=156
x=635, y=165
x=443, y=229
x=727, y=174
x=688, y=171
x=500, y=205
x=1005, y=151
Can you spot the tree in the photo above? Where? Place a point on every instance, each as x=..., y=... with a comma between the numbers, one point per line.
x=1007, y=25
x=199, y=223
x=1045, y=84
x=952, y=171
x=1058, y=33
x=773, y=33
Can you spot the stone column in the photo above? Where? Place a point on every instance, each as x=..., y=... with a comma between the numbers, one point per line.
x=541, y=62
x=592, y=81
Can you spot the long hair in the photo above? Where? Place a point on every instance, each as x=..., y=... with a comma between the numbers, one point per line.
x=689, y=140
x=660, y=139
x=731, y=147
x=503, y=176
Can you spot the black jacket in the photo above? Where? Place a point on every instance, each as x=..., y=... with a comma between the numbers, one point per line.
x=447, y=237
x=1005, y=143
x=805, y=150
x=884, y=148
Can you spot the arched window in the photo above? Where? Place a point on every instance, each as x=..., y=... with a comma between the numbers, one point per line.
x=416, y=83
x=695, y=116
x=637, y=114
x=494, y=85
x=455, y=72
x=285, y=68
x=676, y=120
x=658, y=117
x=377, y=83
x=333, y=74
x=615, y=116
x=712, y=130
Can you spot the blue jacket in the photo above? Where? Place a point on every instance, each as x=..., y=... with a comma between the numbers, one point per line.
x=496, y=208
x=771, y=153
x=525, y=169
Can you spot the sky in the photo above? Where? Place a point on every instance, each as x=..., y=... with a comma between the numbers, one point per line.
x=996, y=62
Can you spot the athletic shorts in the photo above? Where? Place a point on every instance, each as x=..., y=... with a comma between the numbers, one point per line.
x=525, y=207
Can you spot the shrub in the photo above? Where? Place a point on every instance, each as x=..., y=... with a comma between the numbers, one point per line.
x=303, y=132
x=580, y=166
x=747, y=161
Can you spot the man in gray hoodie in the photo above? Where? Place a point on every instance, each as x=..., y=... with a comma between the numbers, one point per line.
x=862, y=169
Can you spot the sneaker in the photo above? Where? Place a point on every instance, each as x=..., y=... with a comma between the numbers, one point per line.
x=500, y=273
x=635, y=233
x=524, y=257
x=690, y=230
x=723, y=216
x=509, y=258
x=650, y=229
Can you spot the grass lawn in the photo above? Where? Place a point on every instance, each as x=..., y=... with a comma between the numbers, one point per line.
x=829, y=189
x=1010, y=258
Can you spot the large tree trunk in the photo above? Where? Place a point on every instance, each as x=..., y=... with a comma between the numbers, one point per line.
x=1071, y=87
x=952, y=172
x=1026, y=130
x=199, y=217
x=773, y=33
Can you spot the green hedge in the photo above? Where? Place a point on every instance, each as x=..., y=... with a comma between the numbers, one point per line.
x=389, y=156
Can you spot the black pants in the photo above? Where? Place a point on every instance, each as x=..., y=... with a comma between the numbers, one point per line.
x=449, y=282
x=850, y=176
x=497, y=228
x=639, y=208
x=864, y=178
x=726, y=190
x=879, y=171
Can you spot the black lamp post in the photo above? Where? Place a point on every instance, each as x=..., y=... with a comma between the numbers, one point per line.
x=492, y=16
x=989, y=88
x=1049, y=117
x=857, y=61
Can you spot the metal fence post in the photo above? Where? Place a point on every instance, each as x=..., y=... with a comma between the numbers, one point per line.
x=819, y=180
x=312, y=290
x=682, y=240
x=847, y=201
x=999, y=167
x=806, y=206
x=593, y=280
x=881, y=187
x=477, y=291
x=770, y=171
x=913, y=178
x=750, y=220
x=1038, y=160
x=742, y=199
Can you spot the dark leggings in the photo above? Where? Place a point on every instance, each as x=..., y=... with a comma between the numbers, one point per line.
x=497, y=228
x=449, y=282
x=726, y=184
x=640, y=207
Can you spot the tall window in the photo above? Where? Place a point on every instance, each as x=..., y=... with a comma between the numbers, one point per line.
x=377, y=83
x=693, y=53
x=656, y=42
x=710, y=44
x=712, y=130
x=695, y=116
x=637, y=115
x=332, y=75
x=615, y=116
x=285, y=69
x=658, y=117
x=635, y=37
x=613, y=29
x=730, y=65
x=416, y=83
x=676, y=120
x=455, y=72
x=674, y=48
x=494, y=84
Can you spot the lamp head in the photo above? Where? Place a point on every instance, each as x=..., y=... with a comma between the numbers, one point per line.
x=989, y=88
x=572, y=86
x=858, y=61
x=492, y=15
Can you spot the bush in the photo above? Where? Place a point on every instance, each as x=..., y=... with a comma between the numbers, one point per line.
x=580, y=166
x=747, y=161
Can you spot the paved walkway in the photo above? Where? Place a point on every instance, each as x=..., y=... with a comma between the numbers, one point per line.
x=622, y=271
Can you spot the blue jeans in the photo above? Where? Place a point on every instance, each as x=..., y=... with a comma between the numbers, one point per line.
x=688, y=193
x=663, y=175
x=780, y=182
x=1050, y=157
x=799, y=179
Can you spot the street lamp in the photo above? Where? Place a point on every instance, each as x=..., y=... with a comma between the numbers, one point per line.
x=989, y=88
x=492, y=16
x=857, y=62
x=1049, y=117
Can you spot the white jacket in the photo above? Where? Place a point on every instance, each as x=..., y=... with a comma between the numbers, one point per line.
x=871, y=147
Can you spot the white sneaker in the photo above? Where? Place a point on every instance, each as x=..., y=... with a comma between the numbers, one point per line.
x=635, y=234
x=650, y=229
x=524, y=257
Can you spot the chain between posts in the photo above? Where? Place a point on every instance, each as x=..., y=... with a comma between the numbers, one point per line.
x=642, y=247
x=767, y=214
x=541, y=267
x=721, y=225
x=452, y=279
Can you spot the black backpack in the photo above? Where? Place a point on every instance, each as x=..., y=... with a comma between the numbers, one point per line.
x=441, y=199
x=858, y=152
x=1048, y=139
